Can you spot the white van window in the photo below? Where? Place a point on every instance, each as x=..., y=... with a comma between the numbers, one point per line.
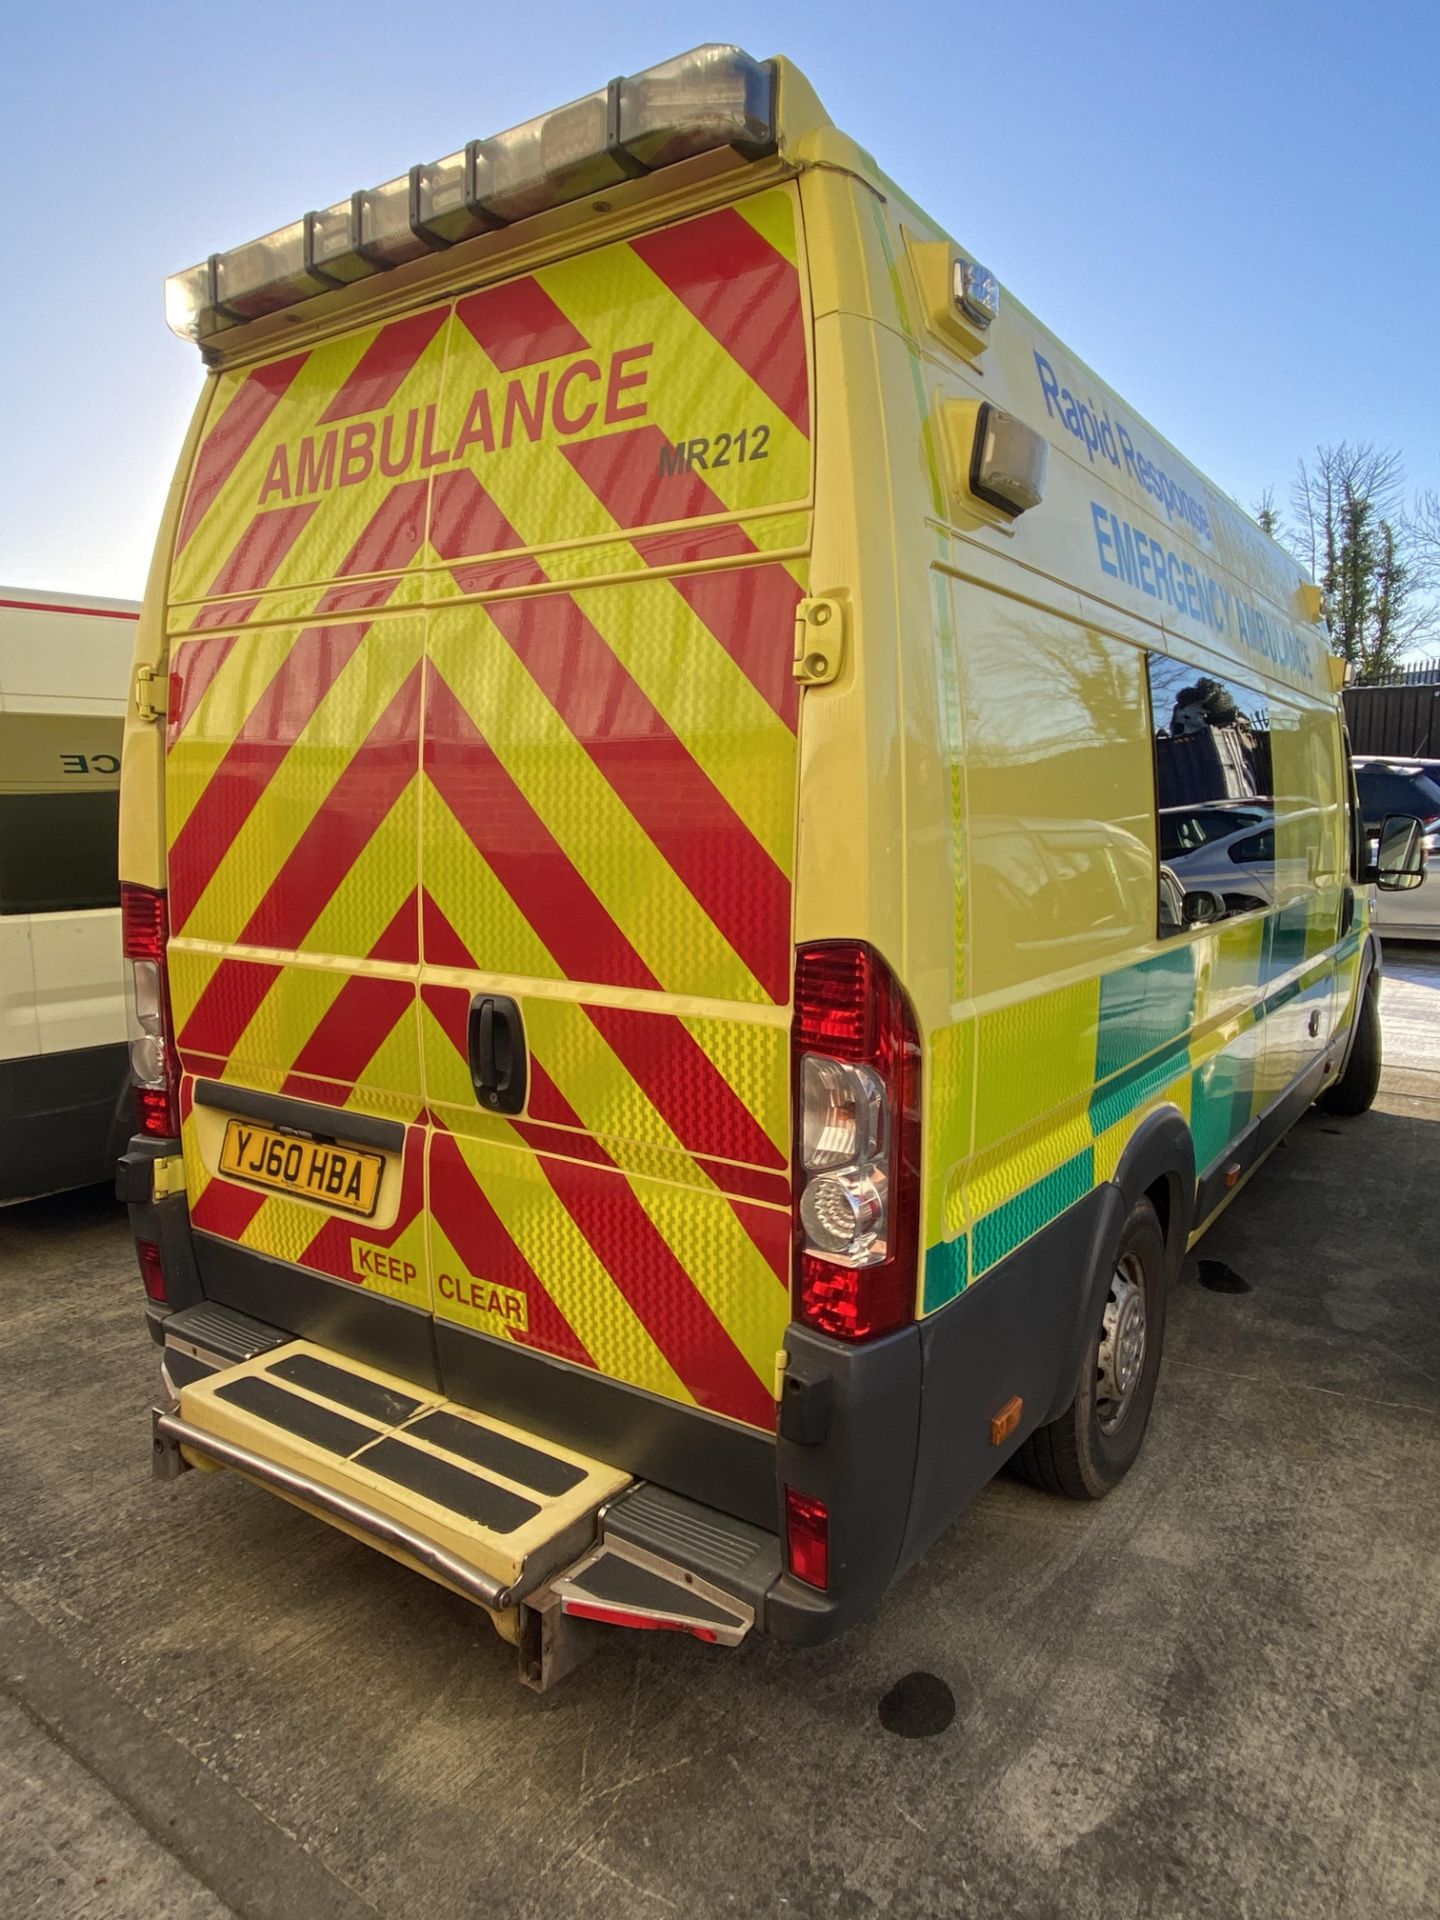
x=1213, y=795
x=58, y=851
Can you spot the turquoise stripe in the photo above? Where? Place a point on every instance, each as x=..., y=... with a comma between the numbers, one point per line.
x=1014, y=1220
x=1144, y=1007
x=945, y=1272
x=1131, y=1089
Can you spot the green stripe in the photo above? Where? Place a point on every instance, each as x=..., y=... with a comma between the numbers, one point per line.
x=1136, y=1085
x=945, y=1274
x=1144, y=1007
x=1014, y=1220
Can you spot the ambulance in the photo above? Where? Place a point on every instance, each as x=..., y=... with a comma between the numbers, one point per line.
x=65, y=662
x=670, y=1050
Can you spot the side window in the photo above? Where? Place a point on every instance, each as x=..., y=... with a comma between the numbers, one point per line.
x=1215, y=814
x=58, y=851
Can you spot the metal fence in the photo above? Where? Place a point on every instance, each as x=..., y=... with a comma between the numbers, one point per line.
x=1420, y=673
x=1400, y=719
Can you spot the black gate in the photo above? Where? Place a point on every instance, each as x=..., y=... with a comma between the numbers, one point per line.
x=1401, y=720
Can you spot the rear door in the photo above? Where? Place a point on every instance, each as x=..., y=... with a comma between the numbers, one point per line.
x=608, y=816
x=297, y=638
x=481, y=623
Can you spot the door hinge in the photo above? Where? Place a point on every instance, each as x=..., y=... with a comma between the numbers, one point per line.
x=167, y=1176
x=152, y=693
x=819, y=640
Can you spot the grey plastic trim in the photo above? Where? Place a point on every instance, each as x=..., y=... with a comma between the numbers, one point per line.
x=334, y=1123
x=169, y=1427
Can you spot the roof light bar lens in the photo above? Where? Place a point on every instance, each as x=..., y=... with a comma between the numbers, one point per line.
x=267, y=274
x=711, y=98
x=332, y=243
x=714, y=96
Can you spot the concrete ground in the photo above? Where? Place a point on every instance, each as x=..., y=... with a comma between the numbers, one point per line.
x=1213, y=1694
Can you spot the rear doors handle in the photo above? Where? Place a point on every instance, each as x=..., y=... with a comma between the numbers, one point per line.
x=497, y=1053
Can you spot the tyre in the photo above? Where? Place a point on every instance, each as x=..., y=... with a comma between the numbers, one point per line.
x=1091, y=1446
x=1355, y=1090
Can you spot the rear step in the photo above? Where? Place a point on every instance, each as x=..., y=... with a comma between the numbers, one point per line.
x=469, y=1500
x=553, y=1544
x=623, y=1586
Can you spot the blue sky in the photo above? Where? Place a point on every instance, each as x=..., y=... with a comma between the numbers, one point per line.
x=1228, y=210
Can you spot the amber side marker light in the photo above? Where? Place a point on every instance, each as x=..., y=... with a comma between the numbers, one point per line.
x=1006, y=1420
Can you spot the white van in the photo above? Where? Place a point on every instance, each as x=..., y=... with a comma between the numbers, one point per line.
x=64, y=675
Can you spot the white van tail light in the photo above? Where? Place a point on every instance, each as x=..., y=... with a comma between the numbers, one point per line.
x=856, y=1085
x=154, y=1069
x=711, y=98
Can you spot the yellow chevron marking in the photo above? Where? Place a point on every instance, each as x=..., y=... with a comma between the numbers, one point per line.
x=303, y=781
x=773, y=217
x=696, y=388
x=604, y=1321
x=196, y=756
x=190, y=973
x=467, y=892
x=344, y=510
x=375, y=887
x=724, y=722
x=611, y=851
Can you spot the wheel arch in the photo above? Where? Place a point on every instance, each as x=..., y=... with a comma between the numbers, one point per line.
x=1158, y=1164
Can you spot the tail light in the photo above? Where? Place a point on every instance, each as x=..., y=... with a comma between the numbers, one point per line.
x=856, y=1081
x=807, y=1538
x=154, y=1070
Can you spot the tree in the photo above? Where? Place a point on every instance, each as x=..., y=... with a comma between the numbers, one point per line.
x=1375, y=561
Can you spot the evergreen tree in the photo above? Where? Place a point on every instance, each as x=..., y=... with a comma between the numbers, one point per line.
x=1374, y=561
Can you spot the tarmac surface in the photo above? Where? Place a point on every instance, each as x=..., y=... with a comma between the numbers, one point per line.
x=1214, y=1694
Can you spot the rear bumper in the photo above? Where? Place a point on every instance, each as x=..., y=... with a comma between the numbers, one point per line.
x=892, y=1436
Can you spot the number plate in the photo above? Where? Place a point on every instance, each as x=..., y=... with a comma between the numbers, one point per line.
x=336, y=1176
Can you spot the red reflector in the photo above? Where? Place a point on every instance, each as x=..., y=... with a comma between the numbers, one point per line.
x=156, y=1112
x=615, y=1617
x=152, y=1270
x=142, y=918
x=807, y=1538
x=855, y=1303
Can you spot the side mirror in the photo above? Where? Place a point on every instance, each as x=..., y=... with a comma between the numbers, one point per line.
x=1200, y=906
x=1400, y=861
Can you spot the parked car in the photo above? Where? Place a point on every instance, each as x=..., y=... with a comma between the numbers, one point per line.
x=1394, y=784
x=1397, y=784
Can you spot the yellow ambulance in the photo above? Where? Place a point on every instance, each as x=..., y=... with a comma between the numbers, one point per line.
x=726, y=858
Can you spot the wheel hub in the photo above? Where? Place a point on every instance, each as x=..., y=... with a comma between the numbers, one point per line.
x=1121, y=1356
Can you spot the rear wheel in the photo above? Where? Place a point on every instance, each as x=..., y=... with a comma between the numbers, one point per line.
x=1355, y=1090
x=1091, y=1446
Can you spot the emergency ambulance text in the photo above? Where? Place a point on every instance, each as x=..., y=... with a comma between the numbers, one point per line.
x=553, y=402
x=1113, y=442
x=1130, y=554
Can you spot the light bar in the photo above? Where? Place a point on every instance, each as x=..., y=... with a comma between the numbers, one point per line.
x=711, y=98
